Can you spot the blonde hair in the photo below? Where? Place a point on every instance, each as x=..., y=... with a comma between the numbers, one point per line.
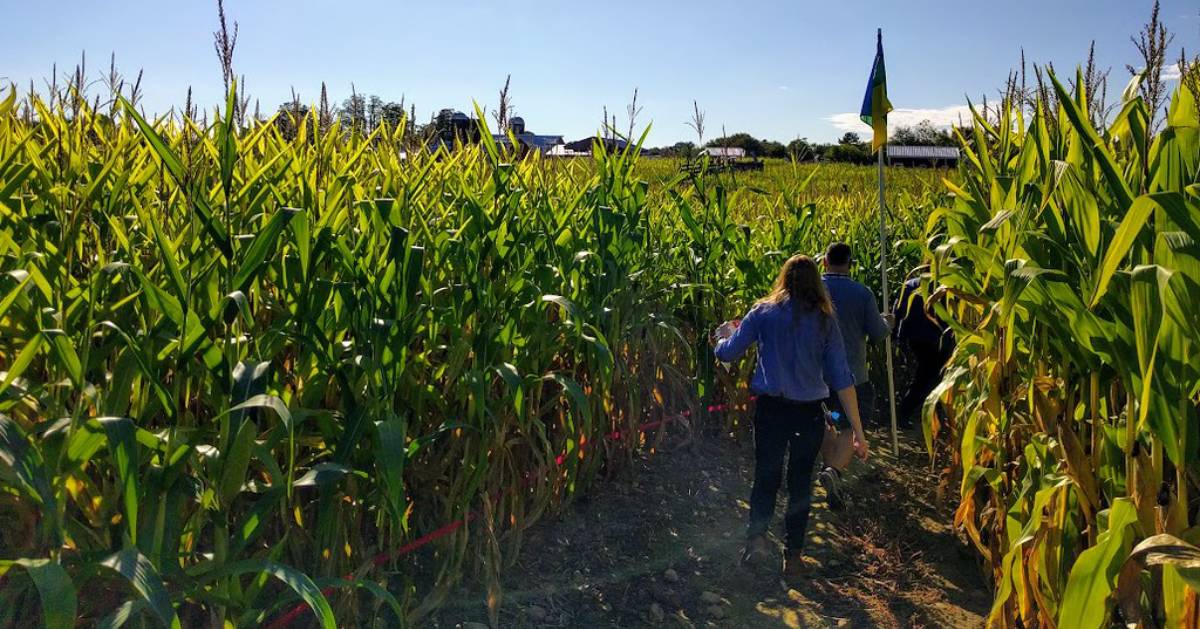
x=800, y=281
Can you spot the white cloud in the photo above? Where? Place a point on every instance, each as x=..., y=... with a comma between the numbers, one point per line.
x=942, y=117
x=1170, y=72
x=784, y=88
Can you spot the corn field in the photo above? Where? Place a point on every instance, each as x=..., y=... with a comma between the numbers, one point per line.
x=240, y=371
x=1070, y=271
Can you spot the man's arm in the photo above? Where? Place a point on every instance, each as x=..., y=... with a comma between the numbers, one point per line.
x=841, y=379
x=877, y=327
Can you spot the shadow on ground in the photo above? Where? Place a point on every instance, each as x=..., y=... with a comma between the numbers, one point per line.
x=658, y=546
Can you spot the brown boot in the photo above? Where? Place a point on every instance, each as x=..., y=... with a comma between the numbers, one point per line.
x=757, y=552
x=795, y=564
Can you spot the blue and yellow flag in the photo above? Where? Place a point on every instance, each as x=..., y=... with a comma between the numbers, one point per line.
x=875, y=105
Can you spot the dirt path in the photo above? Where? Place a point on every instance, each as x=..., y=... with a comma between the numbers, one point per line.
x=658, y=546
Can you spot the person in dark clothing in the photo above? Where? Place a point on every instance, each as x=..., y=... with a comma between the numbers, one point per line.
x=930, y=343
x=800, y=349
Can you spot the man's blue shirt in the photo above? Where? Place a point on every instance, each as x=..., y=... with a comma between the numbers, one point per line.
x=859, y=319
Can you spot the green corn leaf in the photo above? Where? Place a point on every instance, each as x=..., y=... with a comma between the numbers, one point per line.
x=54, y=586
x=1122, y=241
x=120, y=433
x=237, y=461
x=323, y=474
x=390, y=459
x=379, y=592
x=1181, y=302
x=261, y=247
x=64, y=351
x=266, y=401
x=1085, y=600
x=298, y=582
x=578, y=398
x=227, y=139
x=167, y=253
x=254, y=521
x=151, y=376
x=174, y=165
x=140, y=573
x=121, y=616
x=1079, y=120
x=11, y=296
x=24, y=358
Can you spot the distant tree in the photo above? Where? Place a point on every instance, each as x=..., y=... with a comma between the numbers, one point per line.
x=771, y=148
x=374, y=112
x=903, y=136
x=849, y=152
x=686, y=150
x=392, y=113
x=923, y=134
x=850, y=138
x=800, y=150
x=291, y=115
x=354, y=111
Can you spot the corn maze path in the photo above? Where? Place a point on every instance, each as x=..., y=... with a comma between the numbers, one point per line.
x=658, y=544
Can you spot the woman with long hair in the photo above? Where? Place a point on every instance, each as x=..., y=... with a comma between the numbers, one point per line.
x=801, y=356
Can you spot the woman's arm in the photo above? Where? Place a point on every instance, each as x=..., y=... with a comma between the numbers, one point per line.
x=732, y=347
x=841, y=379
x=849, y=399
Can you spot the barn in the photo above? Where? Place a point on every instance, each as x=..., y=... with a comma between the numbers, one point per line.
x=922, y=155
x=544, y=144
x=584, y=146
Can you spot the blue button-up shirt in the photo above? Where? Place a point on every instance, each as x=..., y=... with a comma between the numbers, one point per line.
x=797, y=355
x=859, y=318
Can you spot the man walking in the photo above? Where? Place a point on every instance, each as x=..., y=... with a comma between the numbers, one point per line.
x=929, y=342
x=859, y=319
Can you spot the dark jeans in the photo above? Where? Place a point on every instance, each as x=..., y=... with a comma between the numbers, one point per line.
x=930, y=359
x=794, y=429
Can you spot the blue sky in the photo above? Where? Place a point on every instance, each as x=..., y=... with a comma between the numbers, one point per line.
x=775, y=69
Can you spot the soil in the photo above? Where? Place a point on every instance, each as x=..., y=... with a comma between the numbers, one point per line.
x=659, y=546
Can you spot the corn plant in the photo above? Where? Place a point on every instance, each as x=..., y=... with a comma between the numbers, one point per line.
x=240, y=369
x=1071, y=271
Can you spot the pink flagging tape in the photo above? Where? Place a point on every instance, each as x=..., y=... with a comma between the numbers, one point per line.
x=383, y=557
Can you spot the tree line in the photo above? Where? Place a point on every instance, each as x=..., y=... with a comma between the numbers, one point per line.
x=366, y=112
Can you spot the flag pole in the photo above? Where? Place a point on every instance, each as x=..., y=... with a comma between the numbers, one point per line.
x=887, y=302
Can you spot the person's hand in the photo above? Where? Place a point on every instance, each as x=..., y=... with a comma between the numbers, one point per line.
x=861, y=449
x=725, y=330
x=890, y=319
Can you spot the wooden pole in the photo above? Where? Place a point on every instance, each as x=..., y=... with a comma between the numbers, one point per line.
x=887, y=304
